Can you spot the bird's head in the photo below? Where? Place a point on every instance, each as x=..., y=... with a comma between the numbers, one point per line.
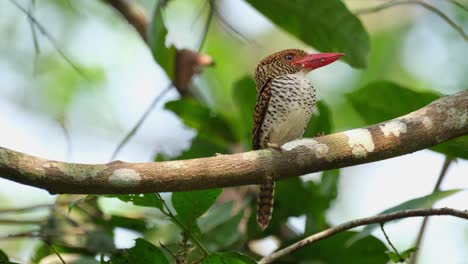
x=291, y=61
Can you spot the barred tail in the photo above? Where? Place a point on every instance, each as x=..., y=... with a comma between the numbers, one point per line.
x=266, y=198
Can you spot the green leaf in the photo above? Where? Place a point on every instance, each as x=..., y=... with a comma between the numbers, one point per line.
x=209, y=124
x=231, y=257
x=321, y=121
x=333, y=250
x=147, y=199
x=138, y=225
x=164, y=56
x=224, y=235
x=405, y=255
x=383, y=100
x=418, y=203
x=3, y=257
x=326, y=25
x=191, y=205
x=323, y=194
x=142, y=252
x=294, y=192
x=245, y=97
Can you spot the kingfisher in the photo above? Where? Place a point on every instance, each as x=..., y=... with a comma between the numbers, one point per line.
x=285, y=101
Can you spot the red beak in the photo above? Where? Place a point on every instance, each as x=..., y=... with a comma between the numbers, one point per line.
x=314, y=61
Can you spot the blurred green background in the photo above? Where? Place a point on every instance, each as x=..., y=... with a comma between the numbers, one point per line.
x=74, y=85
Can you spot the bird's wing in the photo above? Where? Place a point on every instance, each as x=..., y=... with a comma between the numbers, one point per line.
x=260, y=111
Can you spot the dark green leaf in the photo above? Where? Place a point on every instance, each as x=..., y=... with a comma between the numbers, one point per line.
x=321, y=121
x=191, y=205
x=293, y=192
x=142, y=252
x=244, y=95
x=99, y=241
x=198, y=116
x=138, y=225
x=147, y=199
x=326, y=25
x=163, y=55
x=393, y=257
x=419, y=203
x=333, y=250
x=3, y=257
x=381, y=101
x=231, y=257
x=323, y=194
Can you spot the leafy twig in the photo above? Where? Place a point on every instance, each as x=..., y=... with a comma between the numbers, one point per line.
x=46, y=34
x=416, y=2
x=443, y=172
x=400, y=258
x=380, y=219
x=167, y=211
x=140, y=121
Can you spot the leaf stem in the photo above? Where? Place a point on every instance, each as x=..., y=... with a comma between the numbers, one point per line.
x=416, y=2
x=422, y=229
x=400, y=258
x=140, y=121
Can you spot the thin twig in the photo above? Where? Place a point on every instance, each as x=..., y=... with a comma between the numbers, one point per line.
x=37, y=49
x=460, y=5
x=360, y=222
x=400, y=258
x=207, y=25
x=55, y=250
x=51, y=39
x=228, y=27
x=140, y=121
x=448, y=160
x=416, y=2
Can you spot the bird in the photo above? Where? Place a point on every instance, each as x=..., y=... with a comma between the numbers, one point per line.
x=285, y=101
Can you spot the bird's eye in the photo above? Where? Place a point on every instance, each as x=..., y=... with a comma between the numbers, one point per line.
x=289, y=57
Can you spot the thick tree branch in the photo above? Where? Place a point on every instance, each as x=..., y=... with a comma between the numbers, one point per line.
x=437, y=122
x=379, y=219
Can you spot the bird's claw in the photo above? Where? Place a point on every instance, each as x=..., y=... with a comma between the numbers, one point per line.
x=275, y=147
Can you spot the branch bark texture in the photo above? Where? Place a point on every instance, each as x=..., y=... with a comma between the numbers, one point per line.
x=379, y=219
x=437, y=122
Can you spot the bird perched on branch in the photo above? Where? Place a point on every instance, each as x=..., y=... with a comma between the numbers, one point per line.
x=284, y=107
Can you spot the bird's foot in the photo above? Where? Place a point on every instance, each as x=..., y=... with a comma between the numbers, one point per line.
x=275, y=147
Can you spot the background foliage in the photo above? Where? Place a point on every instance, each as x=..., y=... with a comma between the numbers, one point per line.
x=216, y=226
